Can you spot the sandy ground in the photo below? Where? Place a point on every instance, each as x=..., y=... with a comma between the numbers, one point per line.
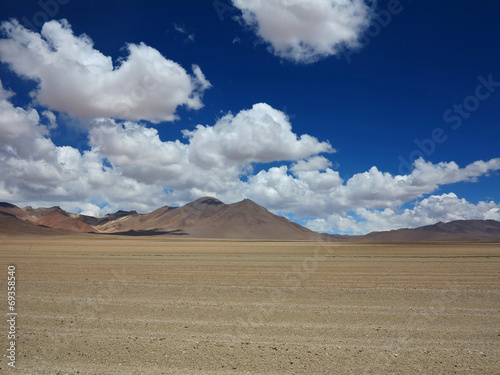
x=109, y=305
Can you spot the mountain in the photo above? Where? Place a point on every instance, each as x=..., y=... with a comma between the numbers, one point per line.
x=53, y=217
x=459, y=230
x=57, y=218
x=10, y=224
x=208, y=217
x=468, y=227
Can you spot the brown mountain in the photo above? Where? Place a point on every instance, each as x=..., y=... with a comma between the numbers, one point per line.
x=53, y=217
x=57, y=218
x=12, y=225
x=468, y=227
x=459, y=230
x=204, y=218
x=208, y=217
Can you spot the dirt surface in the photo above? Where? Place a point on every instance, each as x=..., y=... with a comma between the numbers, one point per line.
x=92, y=304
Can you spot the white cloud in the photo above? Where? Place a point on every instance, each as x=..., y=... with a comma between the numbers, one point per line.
x=427, y=173
x=277, y=190
x=319, y=182
x=318, y=193
x=20, y=133
x=75, y=78
x=214, y=158
x=128, y=167
x=316, y=163
x=444, y=208
x=190, y=37
x=35, y=171
x=138, y=151
x=90, y=209
x=51, y=117
x=209, y=161
x=375, y=189
x=334, y=223
x=261, y=134
x=4, y=93
x=307, y=30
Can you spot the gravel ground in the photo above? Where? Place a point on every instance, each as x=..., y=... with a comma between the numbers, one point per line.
x=90, y=304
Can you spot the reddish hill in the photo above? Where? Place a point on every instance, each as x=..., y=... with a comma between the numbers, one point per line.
x=11, y=225
x=204, y=218
x=208, y=217
x=53, y=217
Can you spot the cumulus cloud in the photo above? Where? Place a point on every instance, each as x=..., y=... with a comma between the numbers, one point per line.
x=214, y=157
x=35, y=171
x=20, y=132
x=128, y=159
x=435, y=208
x=305, y=31
x=4, y=93
x=316, y=163
x=260, y=134
x=449, y=173
x=128, y=166
x=319, y=193
x=77, y=79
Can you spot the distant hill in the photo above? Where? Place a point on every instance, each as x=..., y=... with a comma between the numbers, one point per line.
x=454, y=231
x=208, y=217
x=468, y=227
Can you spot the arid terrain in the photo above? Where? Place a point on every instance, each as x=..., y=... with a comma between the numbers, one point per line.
x=94, y=304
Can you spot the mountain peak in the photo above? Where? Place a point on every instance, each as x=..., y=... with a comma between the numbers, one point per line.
x=7, y=205
x=248, y=203
x=211, y=201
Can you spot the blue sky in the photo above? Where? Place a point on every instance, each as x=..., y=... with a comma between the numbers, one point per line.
x=318, y=110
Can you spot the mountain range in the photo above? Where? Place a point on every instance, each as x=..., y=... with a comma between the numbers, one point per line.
x=208, y=217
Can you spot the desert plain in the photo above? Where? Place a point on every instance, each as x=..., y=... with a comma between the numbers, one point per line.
x=98, y=304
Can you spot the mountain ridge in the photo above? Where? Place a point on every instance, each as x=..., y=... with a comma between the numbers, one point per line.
x=208, y=217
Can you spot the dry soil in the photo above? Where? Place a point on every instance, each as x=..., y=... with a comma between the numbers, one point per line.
x=94, y=304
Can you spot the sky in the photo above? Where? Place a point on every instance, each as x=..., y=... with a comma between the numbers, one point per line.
x=346, y=116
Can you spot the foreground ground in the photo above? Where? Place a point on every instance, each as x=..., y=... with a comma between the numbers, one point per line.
x=111, y=305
